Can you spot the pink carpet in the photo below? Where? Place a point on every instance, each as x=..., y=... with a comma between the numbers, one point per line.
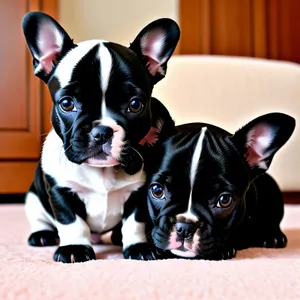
x=30, y=273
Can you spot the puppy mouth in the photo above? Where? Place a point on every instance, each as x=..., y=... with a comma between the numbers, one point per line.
x=101, y=157
x=186, y=248
x=183, y=250
x=183, y=253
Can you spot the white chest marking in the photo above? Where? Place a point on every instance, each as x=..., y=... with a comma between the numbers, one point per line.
x=103, y=190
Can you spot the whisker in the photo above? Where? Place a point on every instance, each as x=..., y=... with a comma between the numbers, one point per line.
x=68, y=147
x=137, y=153
x=61, y=154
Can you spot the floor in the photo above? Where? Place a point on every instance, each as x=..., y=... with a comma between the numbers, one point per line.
x=256, y=273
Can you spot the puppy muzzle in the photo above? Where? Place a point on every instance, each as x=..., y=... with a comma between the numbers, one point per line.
x=104, y=140
x=184, y=239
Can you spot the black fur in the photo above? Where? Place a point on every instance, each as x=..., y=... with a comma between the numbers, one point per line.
x=82, y=103
x=43, y=238
x=74, y=253
x=252, y=220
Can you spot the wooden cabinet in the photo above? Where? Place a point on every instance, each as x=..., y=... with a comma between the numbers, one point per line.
x=24, y=101
x=257, y=28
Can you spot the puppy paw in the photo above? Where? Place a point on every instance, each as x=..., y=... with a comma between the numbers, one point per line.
x=74, y=253
x=227, y=254
x=230, y=253
x=221, y=254
x=140, y=251
x=43, y=238
x=278, y=240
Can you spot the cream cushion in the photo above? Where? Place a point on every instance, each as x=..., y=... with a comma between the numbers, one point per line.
x=229, y=92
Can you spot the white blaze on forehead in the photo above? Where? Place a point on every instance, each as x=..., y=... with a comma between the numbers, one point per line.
x=66, y=67
x=196, y=156
x=193, y=172
x=105, y=67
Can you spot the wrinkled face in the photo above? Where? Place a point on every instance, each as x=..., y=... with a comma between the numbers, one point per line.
x=101, y=95
x=197, y=196
x=101, y=91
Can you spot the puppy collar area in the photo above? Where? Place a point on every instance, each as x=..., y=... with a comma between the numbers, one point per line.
x=150, y=138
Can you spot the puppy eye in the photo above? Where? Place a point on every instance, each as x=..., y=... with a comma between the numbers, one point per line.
x=225, y=200
x=135, y=105
x=67, y=104
x=157, y=191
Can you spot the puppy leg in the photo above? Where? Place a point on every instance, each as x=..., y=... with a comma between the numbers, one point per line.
x=75, y=241
x=70, y=214
x=270, y=211
x=134, y=235
x=43, y=232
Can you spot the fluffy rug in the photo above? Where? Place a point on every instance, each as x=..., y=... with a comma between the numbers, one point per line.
x=30, y=273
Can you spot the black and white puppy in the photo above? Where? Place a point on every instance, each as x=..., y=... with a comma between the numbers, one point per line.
x=209, y=194
x=103, y=117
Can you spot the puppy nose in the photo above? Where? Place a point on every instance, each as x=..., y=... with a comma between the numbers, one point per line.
x=185, y=230
x=101, y=133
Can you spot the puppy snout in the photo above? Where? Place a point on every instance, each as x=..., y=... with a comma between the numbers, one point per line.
x=185, y=230
x=101, y=134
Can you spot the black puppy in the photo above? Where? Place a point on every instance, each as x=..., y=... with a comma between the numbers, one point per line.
x=103, y=117
x=209, y=194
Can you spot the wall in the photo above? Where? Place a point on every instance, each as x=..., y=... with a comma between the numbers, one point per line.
x=114, y=20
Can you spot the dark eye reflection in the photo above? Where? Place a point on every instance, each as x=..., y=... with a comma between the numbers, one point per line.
x=67, y=104
x=135, y=105
x=225, y=200
x=157, y=191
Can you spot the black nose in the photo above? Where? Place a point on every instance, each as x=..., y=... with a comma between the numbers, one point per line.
x=102, y=134
x=185, y=230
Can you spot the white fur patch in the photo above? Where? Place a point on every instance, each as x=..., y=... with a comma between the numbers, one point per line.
x=76, y=233
x=36, y=214
x=65, y=68
x=133, y=232
x=183, y=253
x=196, y=156
x=193, y=171
x=103, y=190
x=117, y=142
x=106, y=66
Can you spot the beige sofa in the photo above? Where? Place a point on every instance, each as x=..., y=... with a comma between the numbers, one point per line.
x=229, y=92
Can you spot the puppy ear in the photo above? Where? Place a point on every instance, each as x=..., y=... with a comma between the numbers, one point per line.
x=155, y=44
x=260, y=139
x=47, y=40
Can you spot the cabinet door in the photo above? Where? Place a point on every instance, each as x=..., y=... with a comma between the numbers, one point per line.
x=223, y=27
x=257, y=28
x=24, y=100
x=20, y=117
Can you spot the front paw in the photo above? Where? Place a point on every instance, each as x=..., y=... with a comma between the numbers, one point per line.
x=221, y=254
x=74, y=253
x=277, y=240
x=141, y=251
x=43, y=238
